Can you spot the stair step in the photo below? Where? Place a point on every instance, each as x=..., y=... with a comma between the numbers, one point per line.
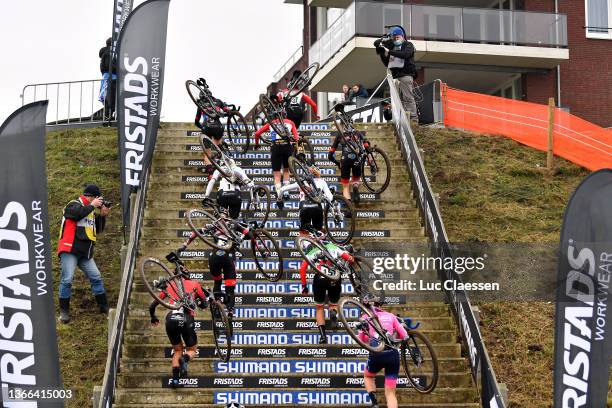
x=200, y=396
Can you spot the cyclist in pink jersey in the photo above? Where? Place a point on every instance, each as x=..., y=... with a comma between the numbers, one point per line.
x=389, y=359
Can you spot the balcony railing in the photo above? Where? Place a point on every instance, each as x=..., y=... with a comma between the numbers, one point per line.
x=442, y=23
x=297, y=54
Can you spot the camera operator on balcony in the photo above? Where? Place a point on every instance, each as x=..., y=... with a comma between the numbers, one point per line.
x=398, y=55
x=77, y=238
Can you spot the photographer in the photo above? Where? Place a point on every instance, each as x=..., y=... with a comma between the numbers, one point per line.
x=398, y=55
x=80, y=225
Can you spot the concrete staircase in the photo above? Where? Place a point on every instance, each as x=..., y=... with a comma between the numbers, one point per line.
x=276, y=360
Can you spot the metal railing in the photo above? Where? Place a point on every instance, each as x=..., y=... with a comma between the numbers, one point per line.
x=70, y=103
x=442, y=23
x=295, y=57
x=127, y=278
x=482, y=371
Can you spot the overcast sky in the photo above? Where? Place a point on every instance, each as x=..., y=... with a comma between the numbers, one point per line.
x=237, y=45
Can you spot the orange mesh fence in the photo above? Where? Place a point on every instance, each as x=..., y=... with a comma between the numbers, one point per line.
x=574, y=139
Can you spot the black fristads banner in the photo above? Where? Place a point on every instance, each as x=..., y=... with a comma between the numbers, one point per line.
x=141, y=59
x=582, y=329
x=425, y=104
x=121, y=11
x=28, y=343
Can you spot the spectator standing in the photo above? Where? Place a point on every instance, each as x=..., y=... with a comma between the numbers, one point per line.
x=346, y=92
x=78, y=234
x=109, y=82
x=398, y=56
x=360, y=91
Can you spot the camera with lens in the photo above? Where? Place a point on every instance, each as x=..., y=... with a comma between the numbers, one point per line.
x=107, y=203
x=386, y=41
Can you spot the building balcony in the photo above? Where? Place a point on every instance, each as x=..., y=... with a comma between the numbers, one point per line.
x=444, y=37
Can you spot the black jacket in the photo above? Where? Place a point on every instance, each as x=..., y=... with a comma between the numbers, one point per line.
x=105, y=55
x=406, y=52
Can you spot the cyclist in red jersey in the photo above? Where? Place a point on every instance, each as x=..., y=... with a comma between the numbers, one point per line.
x=388, y=360
x=280, y=151
x=297, y=105
x=180, y=325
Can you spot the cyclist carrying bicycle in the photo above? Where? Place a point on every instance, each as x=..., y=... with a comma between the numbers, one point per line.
x=311, y=213
x=281, y=150
x=222, y=266
x=323, y=287
x=229, y=193
x=295, y=109
x=349, y=163
x=180, y=325
x=211, y=127
x=388, y=360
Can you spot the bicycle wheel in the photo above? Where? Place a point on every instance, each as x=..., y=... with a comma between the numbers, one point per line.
x=319, y=258
x=202, y=99
x=274, y=115
x=304, y=179
x=340, y=220
x=349, y=308
x=345, y=128
x=376, y=170
x=265, y=250
x=210, y=229
x=420, y=362
x=305, y=151
x=222, y=331
x=158, y=279
x=238, y=131
x=258, y=120
x=303, y=81
x=259, y=205
x=359, y=274
x=215, y=156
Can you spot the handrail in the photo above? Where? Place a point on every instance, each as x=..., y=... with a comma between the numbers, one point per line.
x=127, y=278
x=376, y=90
x=289, y=63
x=482, y=371
x=70, y=102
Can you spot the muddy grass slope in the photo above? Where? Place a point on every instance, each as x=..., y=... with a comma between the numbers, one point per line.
x=494, y=189
x=76, y=157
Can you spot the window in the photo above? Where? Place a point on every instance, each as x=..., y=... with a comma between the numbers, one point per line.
x=598, y=18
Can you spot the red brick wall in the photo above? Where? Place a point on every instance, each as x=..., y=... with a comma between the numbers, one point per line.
x=586, y=79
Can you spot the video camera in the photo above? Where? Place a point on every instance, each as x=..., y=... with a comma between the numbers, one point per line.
x=387, y=40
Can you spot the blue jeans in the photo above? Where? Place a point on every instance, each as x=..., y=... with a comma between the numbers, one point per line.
x=69, y=263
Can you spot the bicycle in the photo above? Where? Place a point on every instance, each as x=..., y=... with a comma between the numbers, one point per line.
x=236, y=125
x=315, y=251
x=275, y=112
x=374, y=162
x=219, y=231
x=417, y=355
x=171, y=285
x=259, y=196
x=339, y=213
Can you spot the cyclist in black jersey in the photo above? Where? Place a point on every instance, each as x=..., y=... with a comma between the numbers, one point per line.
x=222, y=266
x=349, y=163
x=211, y=127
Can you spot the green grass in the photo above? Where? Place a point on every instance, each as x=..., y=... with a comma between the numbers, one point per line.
x=496, y=190
x=76, y=157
